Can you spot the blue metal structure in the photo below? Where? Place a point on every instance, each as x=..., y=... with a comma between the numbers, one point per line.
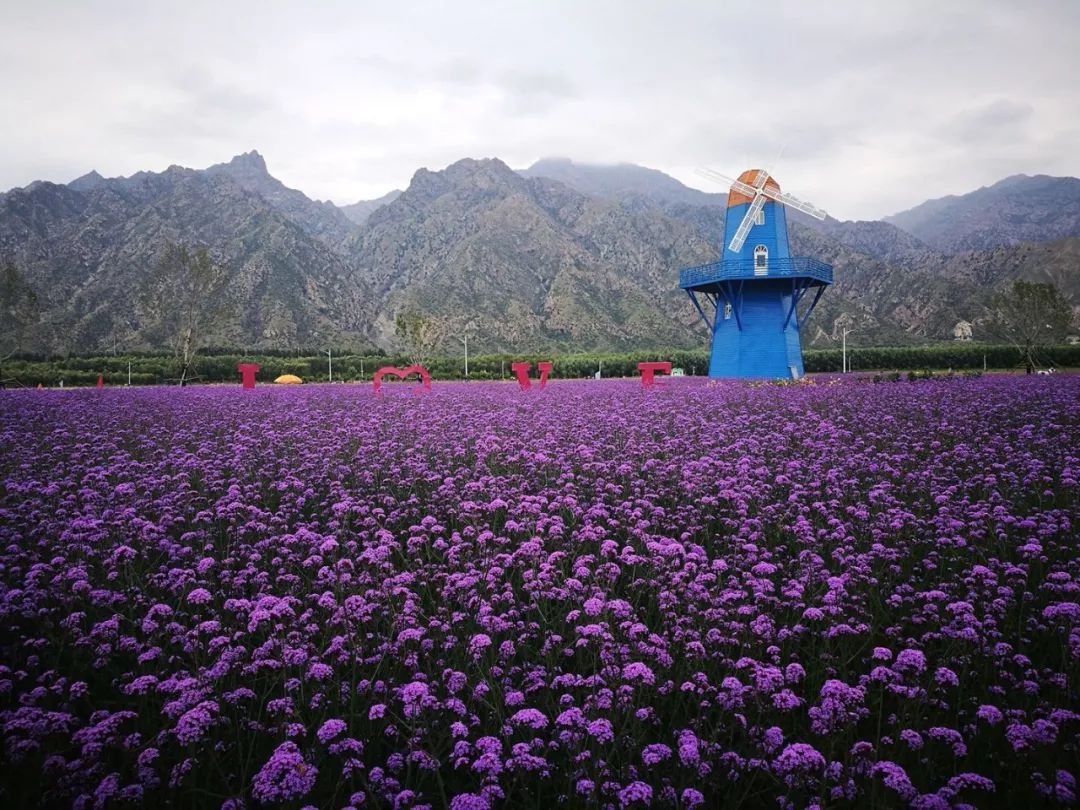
x=750, y=300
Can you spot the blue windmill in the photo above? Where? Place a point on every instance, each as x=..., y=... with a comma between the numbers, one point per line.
x=750, y=298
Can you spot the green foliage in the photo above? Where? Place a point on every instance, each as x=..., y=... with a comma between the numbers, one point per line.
x=185, y=295
x=18, y=308
x=220, y=367
x=418, y=332
x=956, y=356
x=1030, y=316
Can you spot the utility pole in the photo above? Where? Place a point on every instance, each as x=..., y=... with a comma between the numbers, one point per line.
x=464, y=338
x=330, y=364
x=361, y=367
x=129, y=374
x=845, y=334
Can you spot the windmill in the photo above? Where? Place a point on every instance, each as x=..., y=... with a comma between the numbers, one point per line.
x=750, y=299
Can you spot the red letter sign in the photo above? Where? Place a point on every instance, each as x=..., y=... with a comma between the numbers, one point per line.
x=648, y=369
x=521, y=371
x=425, y=378
x=247, y=374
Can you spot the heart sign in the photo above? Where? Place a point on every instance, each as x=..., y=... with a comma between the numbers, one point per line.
x=521, y=371
x=402, y=373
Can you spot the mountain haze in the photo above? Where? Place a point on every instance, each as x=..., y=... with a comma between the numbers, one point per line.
x=1016, y=209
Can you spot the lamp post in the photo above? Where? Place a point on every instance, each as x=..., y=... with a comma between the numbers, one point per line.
x=330, y=364
x=845, y=334
x=464, y=338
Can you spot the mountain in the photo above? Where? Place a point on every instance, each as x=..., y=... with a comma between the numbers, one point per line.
x=523, y=261
x=528, y=262
x=88, y=254
x=621, y=181
x=322, y=220
x=640, y=187
x=358, y=212
x=1016, y=209
x=890, y=282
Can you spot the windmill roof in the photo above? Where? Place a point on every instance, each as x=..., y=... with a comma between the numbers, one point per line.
x=749, y=177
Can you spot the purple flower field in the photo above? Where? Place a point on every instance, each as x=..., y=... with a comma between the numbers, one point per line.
x=843, y=595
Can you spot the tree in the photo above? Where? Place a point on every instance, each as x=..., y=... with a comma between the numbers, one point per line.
x=185, y=295
x=419, y=333
x=18, y=312
x=1030, y=316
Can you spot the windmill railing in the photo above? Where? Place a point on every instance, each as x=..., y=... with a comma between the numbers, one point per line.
x=792, y=267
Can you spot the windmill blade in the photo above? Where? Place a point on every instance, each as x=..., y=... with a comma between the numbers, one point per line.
x=746, y=224
x=736, y=185
x=762, y=179
x=797, y=204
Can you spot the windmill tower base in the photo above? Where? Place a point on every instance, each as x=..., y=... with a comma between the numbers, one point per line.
x=754, y=313
x=753, y=345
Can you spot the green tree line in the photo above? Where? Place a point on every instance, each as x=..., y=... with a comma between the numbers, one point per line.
x=215, y=367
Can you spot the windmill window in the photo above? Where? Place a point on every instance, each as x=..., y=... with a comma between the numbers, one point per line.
x=727, y=311
x=759, y=217
x=761, y=260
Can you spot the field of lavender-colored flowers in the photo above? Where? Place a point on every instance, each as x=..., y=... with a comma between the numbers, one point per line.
x=703, y=595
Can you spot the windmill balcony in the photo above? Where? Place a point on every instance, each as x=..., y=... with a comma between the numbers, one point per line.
x=794, y=267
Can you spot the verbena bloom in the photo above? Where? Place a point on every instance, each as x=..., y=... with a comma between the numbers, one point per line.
x=285, y=777
x=533, y=718
x=692, y=798
x=469, y=801
x=639, y=672
x=601, y=730
x=635, y=793
x=655, y=753
x=329, y=730
x=912, y=661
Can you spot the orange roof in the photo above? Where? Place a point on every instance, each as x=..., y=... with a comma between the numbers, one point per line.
x=750, y=178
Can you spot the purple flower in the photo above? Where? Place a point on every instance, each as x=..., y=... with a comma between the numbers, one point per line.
x=692, y=798
x=285, y=776
x=635, y=793
x=639, y=672
x=469, y=801
x=912, y=661
x=601, y=730
x=655, y=754
x=329, y=730
x=532, y=718
x=895, y=778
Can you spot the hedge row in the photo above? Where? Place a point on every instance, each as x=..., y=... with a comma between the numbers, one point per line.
x=161, y=370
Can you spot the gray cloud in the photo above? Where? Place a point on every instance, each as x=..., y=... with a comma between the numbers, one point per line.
x=877, y=106
x=997, y=120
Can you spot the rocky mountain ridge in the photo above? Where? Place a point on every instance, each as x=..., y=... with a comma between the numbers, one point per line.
x=523, y=261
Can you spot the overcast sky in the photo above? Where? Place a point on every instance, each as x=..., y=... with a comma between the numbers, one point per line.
x=875, y=105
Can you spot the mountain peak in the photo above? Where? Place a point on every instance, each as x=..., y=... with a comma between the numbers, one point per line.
x=87, y=182
x=248, y=165
x=486, y=174
x=251, y=161
x=620, y=181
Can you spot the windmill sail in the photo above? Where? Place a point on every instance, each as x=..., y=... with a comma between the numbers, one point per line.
x=747, y=223
x=798, y=205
